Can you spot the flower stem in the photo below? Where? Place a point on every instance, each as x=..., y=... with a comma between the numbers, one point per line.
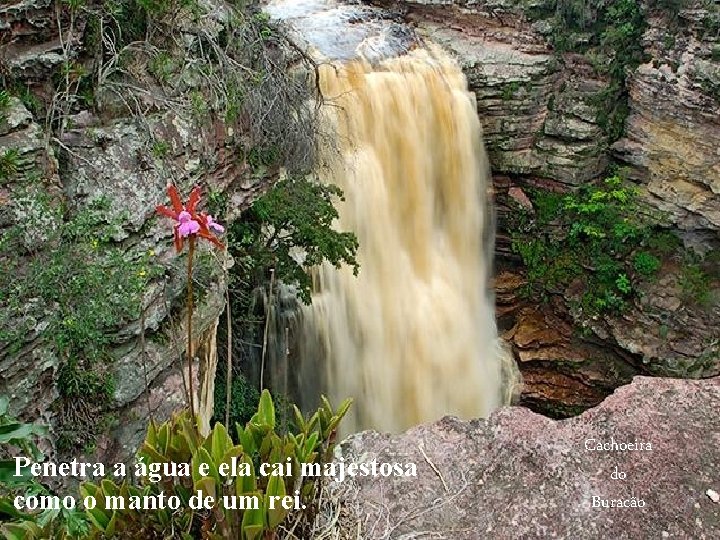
x=191, y=252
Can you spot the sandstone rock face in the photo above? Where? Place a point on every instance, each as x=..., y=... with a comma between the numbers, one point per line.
x=126, y=154
x=112, y=161
x=540, y=117
x=562, y=373
x=521, y=475
x=538, y=114
x=673, y=131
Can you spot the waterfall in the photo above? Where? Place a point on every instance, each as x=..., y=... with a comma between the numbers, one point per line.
x=411, y=338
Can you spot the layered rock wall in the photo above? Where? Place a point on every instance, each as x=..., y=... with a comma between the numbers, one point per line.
x=126, y=149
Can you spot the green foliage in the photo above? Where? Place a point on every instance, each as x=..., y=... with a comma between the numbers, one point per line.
x=296, y=216
x=73, y=292
x=4, y=104
x=178, y=441
x=76, y=383
x=596, y=236
x=610, y=34
x=664, y=242
x=243, y=398
x=509, y=90
x=286, y=231
x=9, y=161
x=259, y=157
x=132, y=20
x=646, y=264
x=160, y=149
x=622, y=35
x=198, y=104
x=163, y=66
x=597, y=240
x=694, y=281
x=27, y=97
x=18, y=438
x=621, y=41
x=217, y=202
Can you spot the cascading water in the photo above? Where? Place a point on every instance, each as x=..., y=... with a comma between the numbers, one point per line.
x=412, y=337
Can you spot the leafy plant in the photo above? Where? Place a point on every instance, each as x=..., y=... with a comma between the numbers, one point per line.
x=9, y=161
x=694, y=281
x=243, y=397
x=73, y=292
x=160, y=149
x=290, y=229
x=646, y=264
x=18, y=438
x=4, y=104
x=610, y=35
x=509, y=90
x=593, y=236
x=178, y=441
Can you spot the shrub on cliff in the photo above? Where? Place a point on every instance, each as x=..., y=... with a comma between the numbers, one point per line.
x=599, y=239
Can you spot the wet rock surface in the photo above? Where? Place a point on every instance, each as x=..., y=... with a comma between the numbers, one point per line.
x=521, y=475
x=359, y=30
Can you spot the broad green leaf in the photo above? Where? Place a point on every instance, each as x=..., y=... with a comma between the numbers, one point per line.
x=276, y=486
x=299, y=419
x=244, y=485
x=112, y=525
x=247, y=440
x=17, y=431
x=200, y=457
x=163, y=439
x=109, y=487
x=151, y=436
x=253, y=522
x=251, y=532
x=220, y=442
x=20, y=531
x=206, y=485
x=151, y=455
x=7, y=474
x=98, y=517
x=266, y=410
x=343, y=409
x=7, y=508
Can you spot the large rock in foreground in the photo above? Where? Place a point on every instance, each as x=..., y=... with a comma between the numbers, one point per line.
x=521, y=475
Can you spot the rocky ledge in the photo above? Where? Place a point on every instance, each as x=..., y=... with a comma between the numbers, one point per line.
x=521, y=475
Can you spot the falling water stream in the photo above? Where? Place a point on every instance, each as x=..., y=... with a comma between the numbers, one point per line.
x=412, y=337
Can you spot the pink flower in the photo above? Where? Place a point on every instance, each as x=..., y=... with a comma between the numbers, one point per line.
x=212, y=224
x=188, y=222
x=188, y=225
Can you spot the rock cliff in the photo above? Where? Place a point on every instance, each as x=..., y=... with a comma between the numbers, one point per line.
x=81, y=123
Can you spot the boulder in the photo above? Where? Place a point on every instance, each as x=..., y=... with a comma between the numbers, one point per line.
x=522, y=475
